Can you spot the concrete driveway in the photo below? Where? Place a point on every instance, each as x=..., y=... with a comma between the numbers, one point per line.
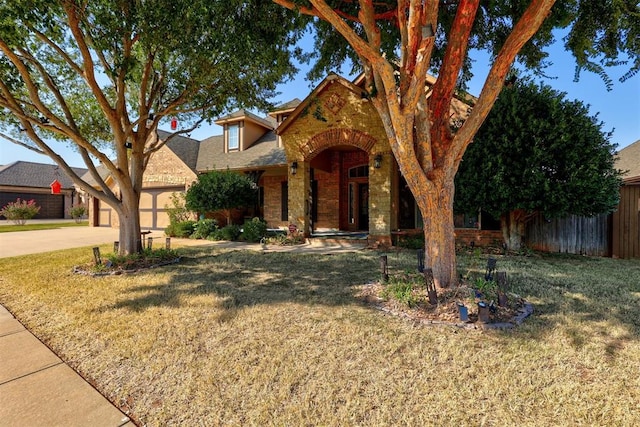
x=37, y=241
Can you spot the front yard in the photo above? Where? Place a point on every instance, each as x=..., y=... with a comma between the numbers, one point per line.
x=244, y=338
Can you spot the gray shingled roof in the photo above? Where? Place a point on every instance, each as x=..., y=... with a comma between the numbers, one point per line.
x=287, y=105
x=266, y=122
x=185, y=148
x=263, y=152
x=36, y=175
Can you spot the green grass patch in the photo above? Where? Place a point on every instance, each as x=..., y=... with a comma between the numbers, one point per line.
x=246, y=338
x=8, y=228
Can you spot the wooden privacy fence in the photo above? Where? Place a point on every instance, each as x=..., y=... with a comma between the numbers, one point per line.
x=572, y=235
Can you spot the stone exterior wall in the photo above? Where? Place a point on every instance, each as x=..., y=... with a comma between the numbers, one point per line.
x=166, y=169
x=328, y=203
x=337, y=116
x=272, y=187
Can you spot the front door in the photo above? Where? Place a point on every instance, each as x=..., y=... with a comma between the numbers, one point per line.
x=363, y=206
x=358, y=206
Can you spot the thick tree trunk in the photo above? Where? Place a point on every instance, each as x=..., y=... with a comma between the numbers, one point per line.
x=512, y=225
x=129, y=217
x=440, y=249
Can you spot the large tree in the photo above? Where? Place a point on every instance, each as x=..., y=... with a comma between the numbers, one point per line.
x=396, y=42
x=101, y=75
x=537, y=153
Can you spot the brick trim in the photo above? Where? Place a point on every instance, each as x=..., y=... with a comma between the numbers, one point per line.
x=333, y=137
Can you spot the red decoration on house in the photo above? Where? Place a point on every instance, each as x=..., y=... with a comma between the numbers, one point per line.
x=55, y=187
x=174, y=123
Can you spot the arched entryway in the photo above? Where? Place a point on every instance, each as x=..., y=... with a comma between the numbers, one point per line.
x=338, y=178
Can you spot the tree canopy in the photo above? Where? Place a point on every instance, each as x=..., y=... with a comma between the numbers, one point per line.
x=220, y=191
x=396, y=43
x=102, y=75
x=538, y=152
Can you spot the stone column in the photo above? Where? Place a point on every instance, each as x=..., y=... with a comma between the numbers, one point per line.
x=299, y=193
x=380, y=198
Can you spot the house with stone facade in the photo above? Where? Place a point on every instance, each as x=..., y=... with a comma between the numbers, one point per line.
x=321, y=164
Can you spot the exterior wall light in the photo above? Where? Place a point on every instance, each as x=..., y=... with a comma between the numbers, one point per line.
x=377, y=161
x=294, y=168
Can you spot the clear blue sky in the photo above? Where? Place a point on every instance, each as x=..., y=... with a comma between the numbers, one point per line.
x=619, y=109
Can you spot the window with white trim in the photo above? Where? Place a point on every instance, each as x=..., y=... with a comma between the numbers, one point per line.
x=233, y=135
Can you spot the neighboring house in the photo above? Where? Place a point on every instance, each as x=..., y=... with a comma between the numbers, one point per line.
x=626, y=219
x=28, y=180
x=322, y=164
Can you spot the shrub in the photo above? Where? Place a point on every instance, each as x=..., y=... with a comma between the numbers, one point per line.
x=413, y=241
x=230, y=232
x=204, y=228
x=177, y=212
x=78, y=212
x=20, y=211
x=180, y=229
x=254, y=230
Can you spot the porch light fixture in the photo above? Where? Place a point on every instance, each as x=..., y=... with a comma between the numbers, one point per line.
x=294, y=168
x=427, y=31
x=377, y=161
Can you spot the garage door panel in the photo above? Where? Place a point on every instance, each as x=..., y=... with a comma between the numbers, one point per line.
x=51, y=205
x=152, y=207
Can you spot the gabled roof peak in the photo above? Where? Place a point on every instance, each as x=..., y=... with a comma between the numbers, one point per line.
x=243, y=114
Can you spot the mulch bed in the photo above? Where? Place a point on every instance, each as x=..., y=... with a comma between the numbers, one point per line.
x=445, y=312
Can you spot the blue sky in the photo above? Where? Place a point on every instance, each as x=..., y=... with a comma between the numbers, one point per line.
x=619, y=108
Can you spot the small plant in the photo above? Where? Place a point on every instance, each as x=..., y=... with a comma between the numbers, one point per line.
x=177, y=211
x=401, y=292
x=20, y=211
x=180, y=229
x=283, y=239
x=78, y=212
x=144, y=259
x=414, y=241
x=230, y=232
x=204, y=228
x=488, y=288
x=254, y=230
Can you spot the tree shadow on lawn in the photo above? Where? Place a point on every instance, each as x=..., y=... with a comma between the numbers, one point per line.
x=247, y=278
x=584, y=295
x=588, y=297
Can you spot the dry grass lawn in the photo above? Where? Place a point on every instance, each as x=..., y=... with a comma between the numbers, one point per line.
x=244, y=338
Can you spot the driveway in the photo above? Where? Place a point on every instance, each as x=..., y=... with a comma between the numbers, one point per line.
x=37, y=241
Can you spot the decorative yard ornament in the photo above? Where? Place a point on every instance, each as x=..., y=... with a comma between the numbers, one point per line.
x=174, y=123
x=55, y=187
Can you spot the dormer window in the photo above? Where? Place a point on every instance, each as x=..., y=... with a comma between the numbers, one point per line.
x=234, y=137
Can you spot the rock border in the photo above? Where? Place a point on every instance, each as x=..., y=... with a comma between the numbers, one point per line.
x=523, y=313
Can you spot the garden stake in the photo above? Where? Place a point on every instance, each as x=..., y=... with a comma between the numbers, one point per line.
x=116, y=246
x=167, y=243
x=384, y=268
x=501, y=278
x=420, y=255
x=431, y=287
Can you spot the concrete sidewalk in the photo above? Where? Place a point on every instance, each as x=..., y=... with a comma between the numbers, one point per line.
x=39, y=389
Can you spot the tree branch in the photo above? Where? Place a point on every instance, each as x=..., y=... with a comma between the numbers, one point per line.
x=443, y=89
x=527, y=26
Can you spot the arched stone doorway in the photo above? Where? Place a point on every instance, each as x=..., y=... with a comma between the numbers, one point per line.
x=342, y=185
